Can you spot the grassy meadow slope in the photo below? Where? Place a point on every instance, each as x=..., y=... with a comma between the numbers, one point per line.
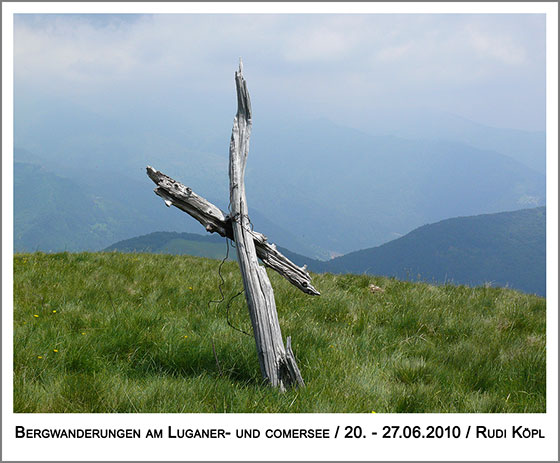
x=108, y=332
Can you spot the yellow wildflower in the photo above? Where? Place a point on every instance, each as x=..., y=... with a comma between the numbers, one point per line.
x=190, y=287
x=185, y=336
x=55, y=350
x=36, y=316
x=373, y=411
x=54, y=311
x=39, y=357
x=83, y=332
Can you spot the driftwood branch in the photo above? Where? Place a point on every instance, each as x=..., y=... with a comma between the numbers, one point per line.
x=277, y=366
x=213, y=219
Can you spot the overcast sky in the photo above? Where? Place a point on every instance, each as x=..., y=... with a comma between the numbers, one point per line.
x=487, y=68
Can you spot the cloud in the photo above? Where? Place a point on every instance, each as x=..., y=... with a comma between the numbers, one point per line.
x=501, y=47
x=395, y=52
x=323, y=39
x=323, y=63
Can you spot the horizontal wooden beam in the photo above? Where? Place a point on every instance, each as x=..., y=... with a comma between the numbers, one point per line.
x=214, y=220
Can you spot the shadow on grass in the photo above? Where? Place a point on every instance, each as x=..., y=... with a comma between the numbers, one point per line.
x=225, y=363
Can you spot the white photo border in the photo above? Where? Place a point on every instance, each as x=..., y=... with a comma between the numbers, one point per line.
x=279, y=449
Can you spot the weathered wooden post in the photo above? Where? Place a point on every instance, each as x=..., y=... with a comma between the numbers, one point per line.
x=278, y=364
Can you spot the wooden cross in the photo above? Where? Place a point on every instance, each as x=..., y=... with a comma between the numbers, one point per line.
x=278, y=363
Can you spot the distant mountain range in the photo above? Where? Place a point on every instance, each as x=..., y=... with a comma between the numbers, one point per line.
x=526, y=147
x=56, y=213
x=503, y=249
x=315, y=187
x=348, y=190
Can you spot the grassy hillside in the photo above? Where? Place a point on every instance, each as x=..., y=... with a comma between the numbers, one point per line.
x=504, y=249
x=108, y=332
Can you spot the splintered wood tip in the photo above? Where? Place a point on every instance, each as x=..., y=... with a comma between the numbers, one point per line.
x=240, y=66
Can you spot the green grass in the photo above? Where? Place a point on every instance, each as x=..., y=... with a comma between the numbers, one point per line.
x=134, y=333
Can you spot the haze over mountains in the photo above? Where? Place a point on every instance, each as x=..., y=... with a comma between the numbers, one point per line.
x=527, y=147
x=314, y=187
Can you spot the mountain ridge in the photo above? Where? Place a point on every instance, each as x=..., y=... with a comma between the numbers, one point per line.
x=503, y=249
x=507, y=248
